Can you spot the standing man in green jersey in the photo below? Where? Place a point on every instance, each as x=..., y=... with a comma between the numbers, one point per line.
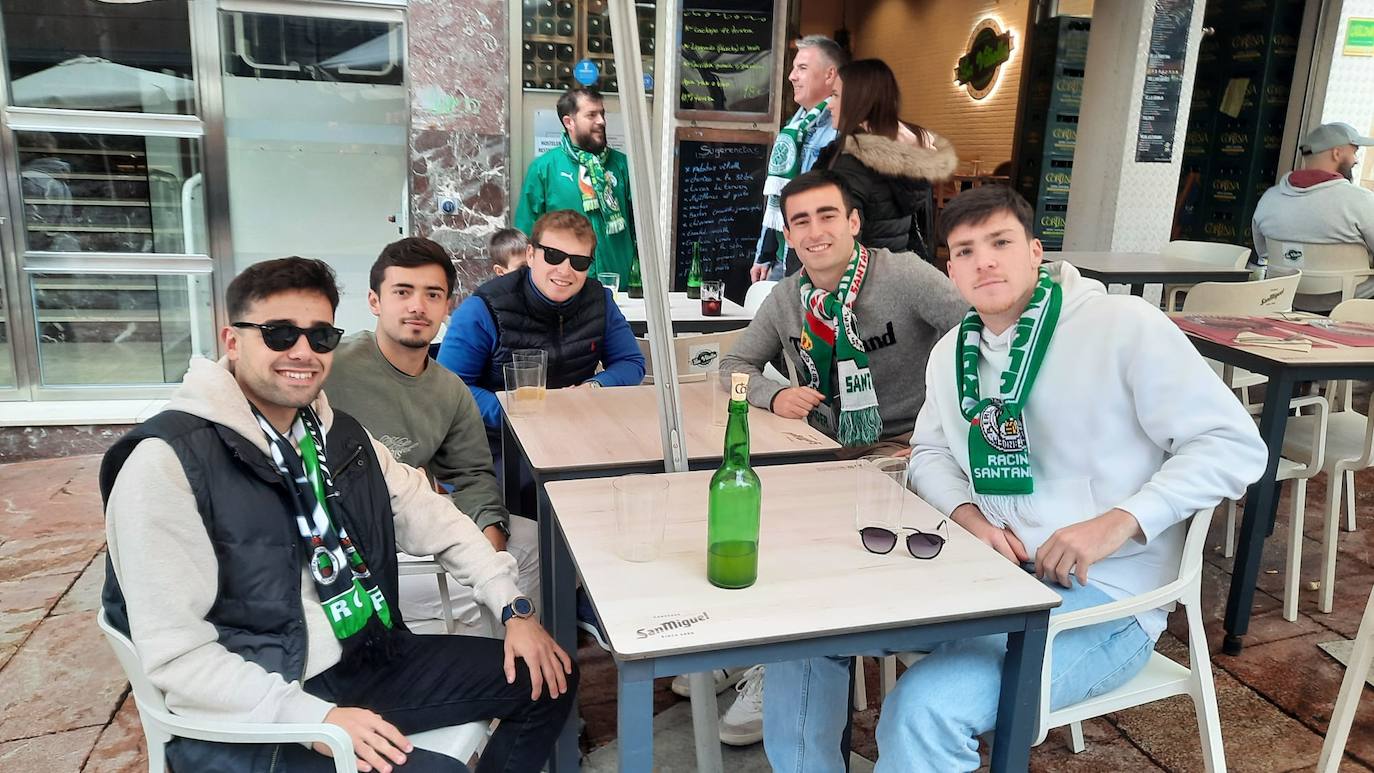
x=584, y=175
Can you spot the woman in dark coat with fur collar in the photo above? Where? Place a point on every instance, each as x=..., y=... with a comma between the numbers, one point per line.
x=888, y=165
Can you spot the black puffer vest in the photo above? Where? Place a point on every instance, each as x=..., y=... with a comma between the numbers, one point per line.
x=247, y=513
x=573, y=332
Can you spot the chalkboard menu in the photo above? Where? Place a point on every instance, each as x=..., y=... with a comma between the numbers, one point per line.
x=719, y=204
x=1163, y=81
x=728, y=61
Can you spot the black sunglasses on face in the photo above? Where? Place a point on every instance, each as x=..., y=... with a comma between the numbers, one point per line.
x=281, y=337
x=553, y=256
x=921, y=545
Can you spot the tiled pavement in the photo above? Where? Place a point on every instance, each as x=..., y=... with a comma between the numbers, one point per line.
x=64, y=705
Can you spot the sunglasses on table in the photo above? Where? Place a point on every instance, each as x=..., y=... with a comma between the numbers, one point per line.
x=554, y=256
x=923, y=545
x=280, y=337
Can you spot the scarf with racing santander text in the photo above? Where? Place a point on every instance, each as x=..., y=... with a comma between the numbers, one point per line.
x=600, y=193
x=355, y=607
x=830, y=334
x=998, y=451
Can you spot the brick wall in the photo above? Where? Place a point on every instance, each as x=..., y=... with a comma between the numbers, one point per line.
x=922, y=41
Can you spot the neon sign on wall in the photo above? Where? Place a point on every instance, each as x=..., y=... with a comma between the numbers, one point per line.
x=989, y=47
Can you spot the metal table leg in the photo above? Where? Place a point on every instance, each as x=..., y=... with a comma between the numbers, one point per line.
x=1018, y=706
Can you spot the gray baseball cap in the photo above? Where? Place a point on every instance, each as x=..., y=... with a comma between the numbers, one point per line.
x=1333, y=135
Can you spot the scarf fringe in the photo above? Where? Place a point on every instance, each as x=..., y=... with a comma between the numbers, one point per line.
x=860, y=428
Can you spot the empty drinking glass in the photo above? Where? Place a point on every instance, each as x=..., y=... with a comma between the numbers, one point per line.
x=880, y=490
x=641, y=513
x=611, y=281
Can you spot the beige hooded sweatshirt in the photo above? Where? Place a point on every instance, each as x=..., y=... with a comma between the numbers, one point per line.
x=166, y=566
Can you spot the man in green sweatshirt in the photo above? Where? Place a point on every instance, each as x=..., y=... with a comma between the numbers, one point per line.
x=427, y=418
x=584, y=175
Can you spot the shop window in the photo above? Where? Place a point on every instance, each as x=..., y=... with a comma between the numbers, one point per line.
x=7, y=380
x=120, y=329
x=557, y=34
x=110, y=193
x=302, y=48
x=91, y=55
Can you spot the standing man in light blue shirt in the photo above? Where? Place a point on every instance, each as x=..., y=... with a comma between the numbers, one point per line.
x=813, y=75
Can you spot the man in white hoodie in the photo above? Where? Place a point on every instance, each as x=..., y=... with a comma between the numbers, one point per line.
x=1319, y=204
x=1062, y=426
x=253, y=535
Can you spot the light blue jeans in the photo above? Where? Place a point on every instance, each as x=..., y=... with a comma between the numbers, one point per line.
x=942, y=703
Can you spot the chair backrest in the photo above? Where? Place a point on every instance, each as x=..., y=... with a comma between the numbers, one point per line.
x=1326, y=268
x=1355, y=310
x=757, y=294
x=146, y=694
x=1215, y=253
x=1261, y=296
x=695, y=354
x=1194, y=544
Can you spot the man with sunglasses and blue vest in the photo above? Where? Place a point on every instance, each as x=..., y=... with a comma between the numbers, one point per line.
x=548, y=304
x=252, y=535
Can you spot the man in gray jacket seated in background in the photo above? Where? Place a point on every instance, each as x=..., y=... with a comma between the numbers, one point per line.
x=857, y=326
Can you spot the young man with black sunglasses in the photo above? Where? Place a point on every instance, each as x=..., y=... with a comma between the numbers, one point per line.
x=252, y=537
x=548, y=304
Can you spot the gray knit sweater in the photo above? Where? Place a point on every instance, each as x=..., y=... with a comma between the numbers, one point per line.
x=905, y=306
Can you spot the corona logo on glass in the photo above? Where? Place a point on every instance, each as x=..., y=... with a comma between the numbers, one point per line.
x=1065, y=133
x=1069, y=85
x=979, y=70
x=1221, y=230
x=1057, y=178
x=1052, y=221
x=1225, y=185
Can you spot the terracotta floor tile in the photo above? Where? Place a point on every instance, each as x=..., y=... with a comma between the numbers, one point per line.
x=15, y=627
x=1106, y=749
x=56, y=554
x=1302, y=681
x=121, y=747
x=84, y=595
x=36, y=593
x=64, y=677
x=54, y=753
x=1266, y=621
x=1167, y=730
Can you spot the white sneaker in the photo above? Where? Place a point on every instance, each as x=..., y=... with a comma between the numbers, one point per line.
x=724, y=679
x=742, y=724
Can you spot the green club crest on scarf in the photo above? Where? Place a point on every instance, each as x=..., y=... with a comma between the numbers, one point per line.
x=602, y=194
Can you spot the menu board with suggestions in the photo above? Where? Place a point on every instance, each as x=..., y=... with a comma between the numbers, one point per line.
x=719, y=204
x=1163, y=81
x=728, y=59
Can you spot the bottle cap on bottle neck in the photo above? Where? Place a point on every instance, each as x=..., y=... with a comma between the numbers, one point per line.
x=739, y=386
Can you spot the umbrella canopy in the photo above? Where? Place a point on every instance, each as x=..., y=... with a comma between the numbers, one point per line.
x=92, y=83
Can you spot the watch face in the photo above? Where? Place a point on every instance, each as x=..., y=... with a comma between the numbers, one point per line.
x=522, y=606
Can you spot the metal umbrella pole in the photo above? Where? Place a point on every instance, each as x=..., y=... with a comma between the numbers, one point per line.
x=653, y=218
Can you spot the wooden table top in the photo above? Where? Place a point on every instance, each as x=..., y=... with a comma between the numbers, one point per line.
x=814, y=575
x=1335, y=354
x=619, y=426
x=1142, y=263
x=683, y=309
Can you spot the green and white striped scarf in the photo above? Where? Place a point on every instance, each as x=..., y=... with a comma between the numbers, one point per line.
x=830, y=334
x=601, y=193
x=998, y=451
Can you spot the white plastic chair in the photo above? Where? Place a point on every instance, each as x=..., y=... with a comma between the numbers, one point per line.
x=1213, y=253
x=1348, y=699
x=1348, y=448
x=757, y=294
x=1162, y=677
x=1327, y=269
x=430, y=566
x=160, y=725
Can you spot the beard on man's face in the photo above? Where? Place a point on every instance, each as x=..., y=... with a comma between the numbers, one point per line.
x=591, y=141
x=1348, y=171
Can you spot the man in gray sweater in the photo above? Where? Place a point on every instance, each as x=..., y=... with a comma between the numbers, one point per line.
x=426, y=416
x=1318, y=204
x=894, y=306
x=857, y=326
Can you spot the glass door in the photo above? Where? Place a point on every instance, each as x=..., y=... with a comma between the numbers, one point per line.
x=315, y=123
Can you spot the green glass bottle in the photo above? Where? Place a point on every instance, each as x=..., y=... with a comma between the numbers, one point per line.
x=694, y=273
x=732, y=517
x=636, y=288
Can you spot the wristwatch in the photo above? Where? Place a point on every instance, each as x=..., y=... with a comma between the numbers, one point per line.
x=520, y=607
